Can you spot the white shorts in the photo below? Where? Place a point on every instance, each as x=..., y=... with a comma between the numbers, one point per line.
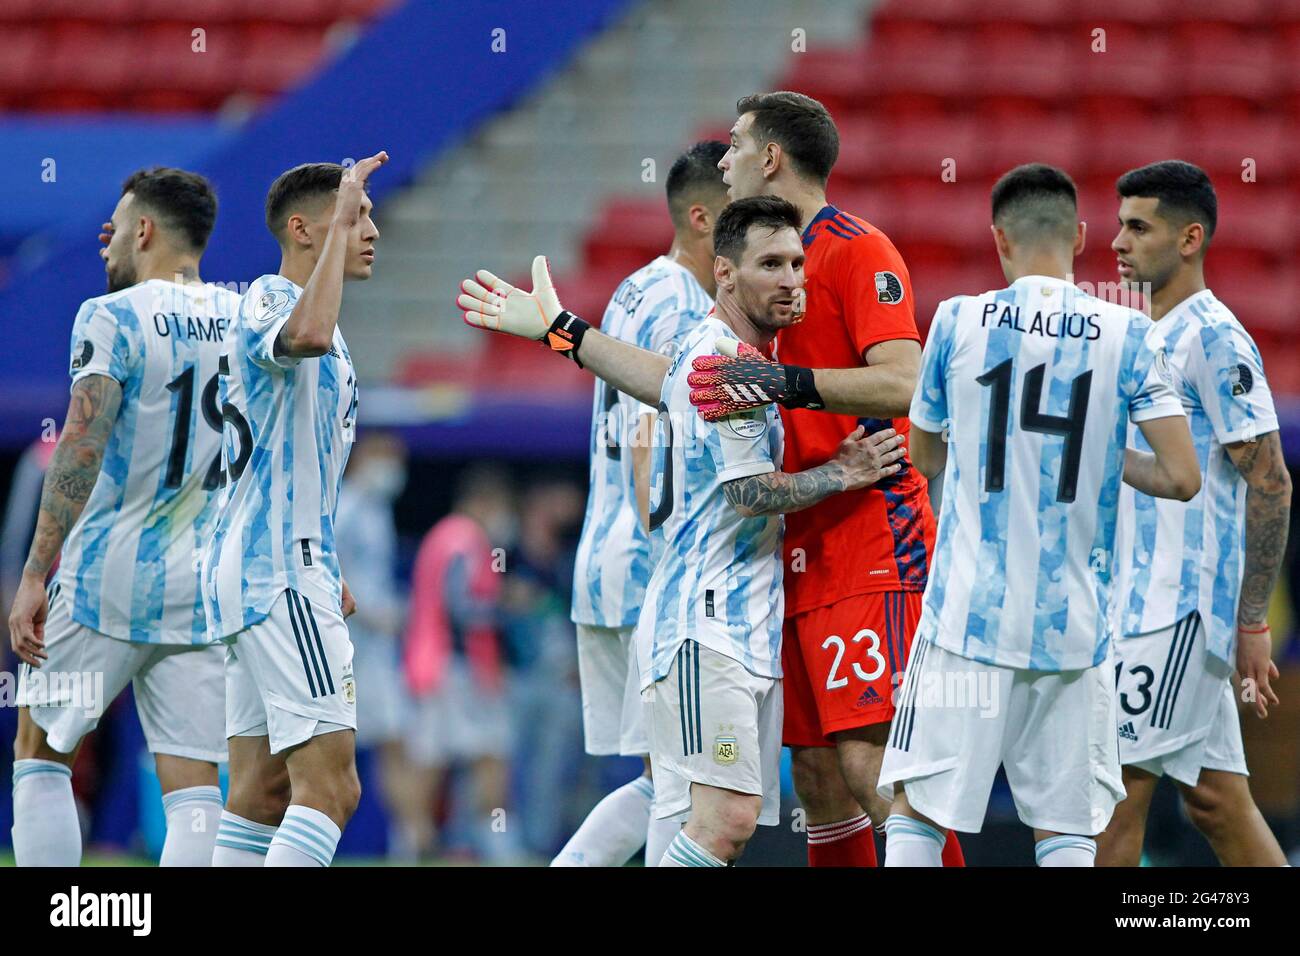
x=461, y=720
x=1177, y=713
x=713, y=722
x=613, y=714
x=381, y=709
x=289, y=676
x=178, y=688
x=1054, y=732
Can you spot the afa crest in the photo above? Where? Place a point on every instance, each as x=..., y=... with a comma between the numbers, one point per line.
x=725, y=750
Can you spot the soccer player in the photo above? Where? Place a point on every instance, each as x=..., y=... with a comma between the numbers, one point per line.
x=857, y=563
x=1196, y=577
x=1024, y=400
x=128, y=498
x=653, y=308
x=271, y=580
x=709, y=632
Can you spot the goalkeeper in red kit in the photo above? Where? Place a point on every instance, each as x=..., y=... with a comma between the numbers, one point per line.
x=856, y=566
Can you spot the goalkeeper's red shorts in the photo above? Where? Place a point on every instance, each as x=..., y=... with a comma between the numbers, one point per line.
x=843, y=664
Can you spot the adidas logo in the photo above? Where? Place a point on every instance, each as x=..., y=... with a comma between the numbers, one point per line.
x=869, y=697
x=1127, y=732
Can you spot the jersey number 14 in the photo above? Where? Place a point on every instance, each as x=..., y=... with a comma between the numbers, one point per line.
x=1069, y=426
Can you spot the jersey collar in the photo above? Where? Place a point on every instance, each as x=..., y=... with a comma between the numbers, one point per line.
x=826, y=212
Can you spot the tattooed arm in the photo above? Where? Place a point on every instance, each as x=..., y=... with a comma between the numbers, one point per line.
x=69, y=480
x=859, y=461
x=1268, y=510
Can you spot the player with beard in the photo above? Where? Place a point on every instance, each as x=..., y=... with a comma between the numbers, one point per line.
x=1196, y=576
x=129, y=497
x=709, y=633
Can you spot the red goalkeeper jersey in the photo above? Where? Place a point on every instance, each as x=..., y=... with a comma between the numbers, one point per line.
x=878, y=538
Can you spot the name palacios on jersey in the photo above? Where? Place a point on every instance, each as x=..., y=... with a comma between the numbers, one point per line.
x=1056, y=325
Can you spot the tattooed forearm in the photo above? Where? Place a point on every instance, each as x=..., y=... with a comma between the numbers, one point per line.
x=74, y=467
x=778, y=492
x=1268, y=510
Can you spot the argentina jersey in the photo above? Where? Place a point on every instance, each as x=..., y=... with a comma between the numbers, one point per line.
x=652, y=308
x=129, y=563
x=1176, y=557
x=717, y=579
x=290, y=424
x=1033, y=388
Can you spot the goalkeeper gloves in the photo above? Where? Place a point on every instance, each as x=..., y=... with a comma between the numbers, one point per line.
x=742, y=378
x=489, y=302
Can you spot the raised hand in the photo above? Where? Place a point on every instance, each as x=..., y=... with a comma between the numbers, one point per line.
x=490, y=302
x=352, y=188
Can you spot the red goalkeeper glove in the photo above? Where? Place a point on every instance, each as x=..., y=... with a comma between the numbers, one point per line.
x=742, y=378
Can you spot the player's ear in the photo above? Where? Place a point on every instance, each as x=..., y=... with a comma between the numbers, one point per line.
x=722, y=272
x=144, y=232
x=1000, y=241
x=1080, y=238
x=773, y=156
x=1193, y=239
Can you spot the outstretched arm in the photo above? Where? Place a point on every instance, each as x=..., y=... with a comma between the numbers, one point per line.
x=71, y=477
x=1172, y=471
x=489, y=302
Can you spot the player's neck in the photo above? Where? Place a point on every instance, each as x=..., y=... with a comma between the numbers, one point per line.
x=808, y=198
x=297, y=269
x=179, y=269
x=1185, y=284
x=697, y=259
x=729, y=313
x=1053, y=267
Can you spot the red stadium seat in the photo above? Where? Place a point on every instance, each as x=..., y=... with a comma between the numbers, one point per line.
x=1021, y=63
x=837, y=77
x=23, y=53
x=918, y=69
x=1108, y=13
x=93, y=60
x=1127, y=143
x=910, y=150
x=1228, y=62
x=172, y=66
x=627, y=235
x=1256, y=217
x=1222, y=11
x=1134, y=68
x=1013, y=139
x=1221, y=146
x=278, y=57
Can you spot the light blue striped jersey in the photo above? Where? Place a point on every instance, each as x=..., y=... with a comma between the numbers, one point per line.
x=717, y=577
x=1176, y=557
x=1034, y=387
x=652, y=308
x=290, y=424
x=129, y=564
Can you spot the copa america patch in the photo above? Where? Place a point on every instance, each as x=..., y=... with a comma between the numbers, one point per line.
x=271, y=304
x=747, y=427
x=889, y=289
x=82, y=358
x=1241, y=379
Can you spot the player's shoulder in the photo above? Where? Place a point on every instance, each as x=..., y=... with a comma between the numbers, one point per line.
x=122, y=304
x=267, y=297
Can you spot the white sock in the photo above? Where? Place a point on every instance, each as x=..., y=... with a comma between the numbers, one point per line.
x=910, y=842
x=306, y=837
x=614, y=829
x=659, y=834
x=193, y=817
x=1065, y=851
x=684, y=851
x=241, y=842
x=47, y=831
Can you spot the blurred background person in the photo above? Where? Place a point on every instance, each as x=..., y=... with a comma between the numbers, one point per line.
x=454, y=667
x=542, y=656
x=366, y=539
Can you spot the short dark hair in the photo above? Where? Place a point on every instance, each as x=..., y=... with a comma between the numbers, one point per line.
x=1035, y=202
x=305, y=182
x=800, y=125
x=695, y=175
x=732, y=228
x=185, y=201
x=1184, y=191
